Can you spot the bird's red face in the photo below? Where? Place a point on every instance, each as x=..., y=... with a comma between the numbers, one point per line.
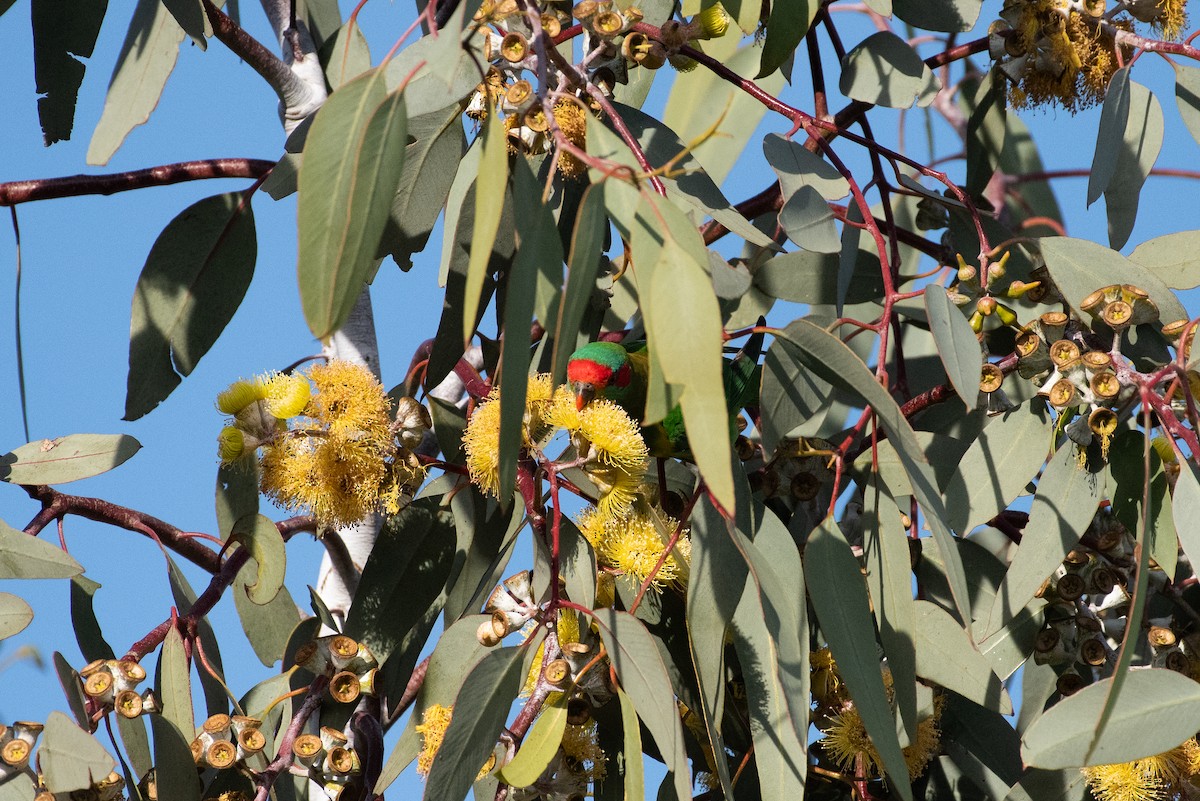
x=589, y=379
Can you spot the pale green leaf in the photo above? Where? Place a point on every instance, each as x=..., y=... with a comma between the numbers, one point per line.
x=191, y=17
x=1142, y=141
x=262, y=538
x=267, y=626
x=26, y=557
x=1061, y=737
x=951, y=16
x=947, y=657
x=353, y=159
x=839, y=596
x=175, y=683
x=72, y=687
x=1080, y=267
x=1007, y=454
x=786, y=26
x=192, y=283
x=345, y=55
x=809, y=222
x=480, y=710
x=804, y=277
x=1110, y=135
x=1185, y=504
x=15, y=615
x=1187, y=97
x=957, y=345
x=884, y=70
x=797, y=166
x=69, y=757
x=539, y=745
x=147, y=58
x=587, y=249
x=793, y=400
x=64, y=459
x=173, y=763
x=489, y=205
x=634, y=781
x=1066, y=501
x=1175, y=258
x=91, y=640
x=642, y=675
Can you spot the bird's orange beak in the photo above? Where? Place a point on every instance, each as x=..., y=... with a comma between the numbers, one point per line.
x=584, y=393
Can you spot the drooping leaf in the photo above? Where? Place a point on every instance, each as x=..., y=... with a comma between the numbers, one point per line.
x=72, y=687
x=175, y=683
x=884, y=70
x=793, y=399
x=1110, y=135
x=1185, y=504
x=15, y=615
x=191, y=17
x=480, y=710
x=345, y=55
x=489, y=205
x=634, y=780
x=353, y=160
x=587, y=249
x=950, y=16
x=1187, y=97
x=1175, y=258
x=957, y=345
x=147, y=57
x=64, y=459
x=1061, y=737
x=839, y=596
x=91, y=641
x=539, y=745
x=947, y=657
x=1066, y=500
x=64, y=33
x=1141, y=143
x=26, y=557
x=192, y=283
x=1003, y=459
x=804, y=277
x=267, y=626
x=836, y=363
x=69, y=757
x=987, y=108
x=173, y=762
x=262, y=538
x=786, y=26
x=1080, y=267
x=215, y=696
x=643, y=676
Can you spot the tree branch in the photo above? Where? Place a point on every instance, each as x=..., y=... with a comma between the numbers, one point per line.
x=15, y=192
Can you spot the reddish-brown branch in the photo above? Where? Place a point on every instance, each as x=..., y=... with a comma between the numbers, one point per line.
x=1046, y=175
x=15, y=192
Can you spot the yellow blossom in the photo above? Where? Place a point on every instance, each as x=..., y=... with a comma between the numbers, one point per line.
x=350, y=401
x=579, y=743
x=572, y=121
x=846, y=738
x=1153, y=778
x=481, y=440
x=231, y=444
x=286, y=394
x=432, y=729
x=240, y=394
x=634, y=545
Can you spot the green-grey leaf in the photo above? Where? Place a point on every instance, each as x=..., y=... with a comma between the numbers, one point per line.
x=587, y=249
x=1080, y=267
x=1061, y=737
x=25, y=557
x=64, y=459
x=634, y=781
x=1066, y=501
x=1175, y=258
x=793, y=398
x=175, y=683
x=789, y=21
x=1110, y=135
x=489, y=205
x=539, y=745
x=947, y=657
x=69, y=757
x=191, y=17
x=804, y=277
x=808, y=221
x=1004, y=458
x=1185, y=504
x=797, y=166
x=839, y=596
x=258, y=534
x=957, y=345
x=950, y=16
x=1187, y=97
x=353, y=159
x=643, y=675
x=267, y=626
x=147, y=57
x=72, y=687
x=173, y=762
x=480, y=710
x=15, y=615
x=64, y=34
x=192, y=283
x=91, y=640
x=345, y=55
x=1143, y=138
x=884, y=70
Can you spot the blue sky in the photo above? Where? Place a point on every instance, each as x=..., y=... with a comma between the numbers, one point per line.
x=82, y=258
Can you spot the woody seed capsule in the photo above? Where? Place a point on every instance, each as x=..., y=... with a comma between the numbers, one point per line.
x=990, y=378
x=557, y=672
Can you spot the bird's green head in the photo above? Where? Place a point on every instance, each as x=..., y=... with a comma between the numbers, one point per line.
x=594, y=368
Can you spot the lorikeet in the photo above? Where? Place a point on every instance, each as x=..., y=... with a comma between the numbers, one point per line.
x=621, y=372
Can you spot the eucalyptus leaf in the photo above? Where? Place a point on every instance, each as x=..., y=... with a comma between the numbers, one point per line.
x=884, y=70
x=65, y=459
x=261, y=537
x=957, y=345
x=1109, y=135
x=1080, y=267
x=1174, y=258
x=69, y=757
x=61, y=44
x=26, y=557
x=15, y=615
x=1141, y=143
